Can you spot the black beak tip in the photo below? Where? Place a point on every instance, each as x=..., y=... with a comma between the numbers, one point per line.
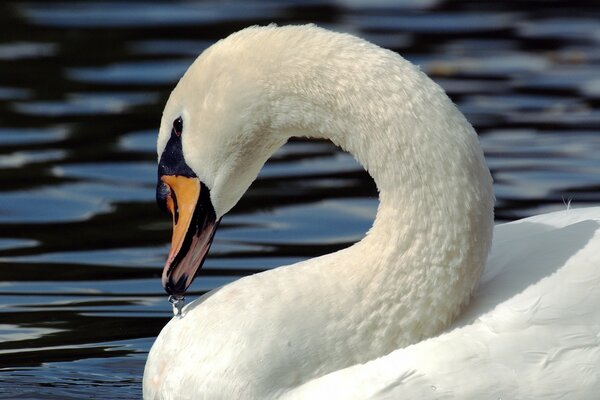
x=176, y=288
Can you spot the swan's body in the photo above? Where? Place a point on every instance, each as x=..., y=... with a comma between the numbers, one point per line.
x=293, y=330
x=532, y=330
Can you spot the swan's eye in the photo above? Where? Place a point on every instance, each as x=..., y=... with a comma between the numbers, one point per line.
x=178, y=126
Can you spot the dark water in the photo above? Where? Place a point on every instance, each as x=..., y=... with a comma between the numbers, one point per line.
x=82, y=86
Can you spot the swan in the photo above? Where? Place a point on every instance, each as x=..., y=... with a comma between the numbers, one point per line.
x=410, y=311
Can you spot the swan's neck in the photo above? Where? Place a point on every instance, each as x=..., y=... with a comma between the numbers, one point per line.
x=419, y=263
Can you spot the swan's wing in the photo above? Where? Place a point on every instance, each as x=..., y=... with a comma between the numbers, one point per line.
x=524, y=252
x=505, y=235
x=532, y=331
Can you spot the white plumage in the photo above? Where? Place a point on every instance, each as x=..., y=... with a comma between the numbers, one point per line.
x=532, y=330
x=356, y=323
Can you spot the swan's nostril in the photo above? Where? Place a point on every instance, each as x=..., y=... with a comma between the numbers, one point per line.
x=173, y=206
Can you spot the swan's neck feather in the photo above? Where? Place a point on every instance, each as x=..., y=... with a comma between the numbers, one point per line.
x=429, y=242
x=418, y=264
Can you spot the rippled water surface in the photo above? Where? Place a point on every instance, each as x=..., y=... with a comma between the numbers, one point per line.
x=82, y=86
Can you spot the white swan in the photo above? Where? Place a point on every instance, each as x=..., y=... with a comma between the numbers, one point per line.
x=328, y=327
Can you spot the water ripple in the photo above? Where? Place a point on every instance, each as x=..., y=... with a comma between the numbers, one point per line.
x=82, y=87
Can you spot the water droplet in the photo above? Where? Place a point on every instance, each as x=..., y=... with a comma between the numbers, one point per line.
x=178, y=302
x=433, y=388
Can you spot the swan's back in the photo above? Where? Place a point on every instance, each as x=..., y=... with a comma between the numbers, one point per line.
x=531, y=332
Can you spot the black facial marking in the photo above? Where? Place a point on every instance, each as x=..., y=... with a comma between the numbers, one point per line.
x=172, y=161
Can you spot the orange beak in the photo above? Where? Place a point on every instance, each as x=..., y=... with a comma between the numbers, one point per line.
x=194, y=226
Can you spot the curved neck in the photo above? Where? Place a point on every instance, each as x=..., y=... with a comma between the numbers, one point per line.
x=418, y=264
x=431, y=235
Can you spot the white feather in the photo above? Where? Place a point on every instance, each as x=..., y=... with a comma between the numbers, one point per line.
x=532, y=330
x=356, y=323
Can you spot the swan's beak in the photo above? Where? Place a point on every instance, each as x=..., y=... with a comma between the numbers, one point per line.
x=194, y=225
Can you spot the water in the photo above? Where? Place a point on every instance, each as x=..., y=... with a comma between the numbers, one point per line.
x=82, y=86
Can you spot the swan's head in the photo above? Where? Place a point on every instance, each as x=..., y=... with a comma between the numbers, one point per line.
x=213, y=140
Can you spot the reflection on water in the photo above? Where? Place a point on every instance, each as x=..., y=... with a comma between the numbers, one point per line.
x=82, y=86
